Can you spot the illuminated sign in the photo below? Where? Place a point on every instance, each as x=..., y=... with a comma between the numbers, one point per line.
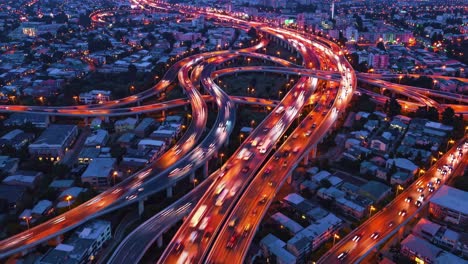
x=287, y=22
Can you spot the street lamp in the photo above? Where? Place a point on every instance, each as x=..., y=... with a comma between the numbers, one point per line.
x=241, y=136
x=221, y=155
x=371, y=208
x=399, y=188
x=451, y=141
x=27, y=218
x=68, y=199
x=335, y=236
x=433, y=160
x=195, y=181
x=114, y=175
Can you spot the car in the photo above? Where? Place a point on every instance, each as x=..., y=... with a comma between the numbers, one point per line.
x=286, y=153
x=420, y=189
x=391, y=223
x=307, y=133
x=245, y=169
x=277, y=157
x=193, y=236
x=356, y=238
x=314, y=125
x=296, y=149
x=417, y=203
x=263, y=199
x=342, y=255
x=437, y=181
x=178, y=247
x=254, y=211
x=233, y=222
x=402, y=213
x=375, y=235
x=270, y=183
x=430, y=184
x=431, y=189
x=408, y=199
x=421, y=197
x=247, y=228
x=285, y=163
x=232, y=241
x=131, y=197
x=268, y=170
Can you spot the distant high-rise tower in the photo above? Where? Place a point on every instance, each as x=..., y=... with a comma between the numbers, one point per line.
x=333, y=10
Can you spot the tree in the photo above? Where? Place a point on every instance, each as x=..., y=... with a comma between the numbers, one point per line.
x=381, y=46
x=252, y=32
x=448, y=116
x=325, y=183
x=433, y=114
x=169, y=37
x=394, y=108
x=365, y=103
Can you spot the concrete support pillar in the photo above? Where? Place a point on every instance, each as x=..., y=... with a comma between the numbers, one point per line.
x=205, y=170
x=289, y=179
x=160, y=241
x=163, y=113
x=192, y=177
x=141, y=207
x=169, y=193
x=313, y=152
x=306, y=159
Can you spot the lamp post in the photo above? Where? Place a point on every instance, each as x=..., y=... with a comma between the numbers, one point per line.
x=399, y=188
x=195, y=181
x=221, y=156
x=335, y=237
x=27, y=218
x=371, y=209
x=450, y=142
x=68, y=199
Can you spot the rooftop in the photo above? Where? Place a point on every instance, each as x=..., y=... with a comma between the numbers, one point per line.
x=451, y=198
x=55, y=135
x=99, y=167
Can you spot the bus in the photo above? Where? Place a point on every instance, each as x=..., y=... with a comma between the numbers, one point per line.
x=221, y=197
x=197, y=216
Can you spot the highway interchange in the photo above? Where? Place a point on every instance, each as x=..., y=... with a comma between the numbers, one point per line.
x=242, y=179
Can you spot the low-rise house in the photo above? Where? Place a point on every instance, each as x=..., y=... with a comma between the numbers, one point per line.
x=54, y=142
x=374, y=190
x=8, y=165
x=29, y=179
x=274, y=247
x=402, y=164
x=125, y=125
x=16, y=139
x=99, y=173
x=41, y=208
x=82, y=246
x=145, y=127
x=19, y=119
x=98, y=138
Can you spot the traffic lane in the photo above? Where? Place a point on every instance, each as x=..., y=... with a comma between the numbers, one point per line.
x=258, y=190
x=256, y=160
x=384, y=217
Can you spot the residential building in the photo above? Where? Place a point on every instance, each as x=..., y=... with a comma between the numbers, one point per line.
x=82, y=246
x=8, y=165
x=54, y=142
x=420, y=250
x=145, y=127
x=374, y=190
x=98, y=138
x=313, y=236
x=19, y=119
x=449, y=205
x=28, y=179
x=99, y=172
x=11, y=195
x=95, y=97
x=274, y=247
x=125, y=125
x=402, y=164
x=16, y=138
